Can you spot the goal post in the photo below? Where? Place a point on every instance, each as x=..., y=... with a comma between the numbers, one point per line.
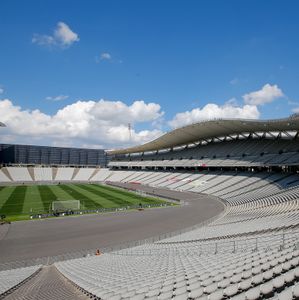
x=64, y=205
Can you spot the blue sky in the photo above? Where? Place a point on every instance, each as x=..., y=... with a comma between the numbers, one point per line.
x=179, y=55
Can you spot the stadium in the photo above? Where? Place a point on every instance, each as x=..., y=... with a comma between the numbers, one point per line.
x=206, y=211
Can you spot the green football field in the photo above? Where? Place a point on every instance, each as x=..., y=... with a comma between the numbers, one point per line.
x=18, y=202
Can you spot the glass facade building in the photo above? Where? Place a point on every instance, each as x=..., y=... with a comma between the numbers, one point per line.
x=44, y=155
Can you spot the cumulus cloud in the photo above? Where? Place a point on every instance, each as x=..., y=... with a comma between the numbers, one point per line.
x=81, y=123
x=214, y=111
x=62, y=37
x=65, y=35
x=104, y=123
x=57, y=98
x=267, y=94
x=231, y=109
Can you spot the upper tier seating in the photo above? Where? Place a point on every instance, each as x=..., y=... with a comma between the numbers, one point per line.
x=246, y=152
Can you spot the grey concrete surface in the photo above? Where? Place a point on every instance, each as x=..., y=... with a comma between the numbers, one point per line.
x=48, y=237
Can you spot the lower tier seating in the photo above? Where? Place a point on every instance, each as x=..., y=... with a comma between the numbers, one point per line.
x=250, y=252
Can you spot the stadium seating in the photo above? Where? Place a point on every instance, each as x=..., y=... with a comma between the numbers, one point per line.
x=19, y=174
x=43, y=174
x=64, y=174
x=250, y=252
x=185, y=274
x=11, y=278
x=3, y=177
x=119, y=176
x=246, y=153
x=101, y=175
x=83, y=174
x=22, y=174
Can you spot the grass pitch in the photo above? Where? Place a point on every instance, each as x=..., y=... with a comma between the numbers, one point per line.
x=18, y=202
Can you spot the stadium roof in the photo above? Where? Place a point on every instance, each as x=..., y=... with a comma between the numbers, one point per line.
x=2, y=124
x=212, y=129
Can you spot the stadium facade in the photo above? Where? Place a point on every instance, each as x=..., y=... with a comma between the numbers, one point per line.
x=11, y=154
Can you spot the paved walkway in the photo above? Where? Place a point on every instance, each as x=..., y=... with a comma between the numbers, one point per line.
x=48, y=284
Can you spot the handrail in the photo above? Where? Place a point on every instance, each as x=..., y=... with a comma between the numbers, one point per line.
x=276, y=241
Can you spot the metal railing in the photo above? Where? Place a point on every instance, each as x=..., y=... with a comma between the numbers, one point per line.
x=265, y=242
x=281, y=240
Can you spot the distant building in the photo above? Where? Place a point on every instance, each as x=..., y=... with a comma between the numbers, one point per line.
x=45, y=155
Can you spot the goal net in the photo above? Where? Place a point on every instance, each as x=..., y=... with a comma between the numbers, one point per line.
x=63, y=205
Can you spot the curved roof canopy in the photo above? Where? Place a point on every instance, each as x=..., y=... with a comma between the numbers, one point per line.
x=212, y=129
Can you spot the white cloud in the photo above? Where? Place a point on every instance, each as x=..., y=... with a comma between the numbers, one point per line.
x=295, y=110
x=231, y=109
x=62, y=37
x=1, y=90
x=82, y=123
x=267, y=94
x=65, y=35
x=43, y=40
x=105, y=56
x=91, y=123
x=57, y=98
x=214, y=111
